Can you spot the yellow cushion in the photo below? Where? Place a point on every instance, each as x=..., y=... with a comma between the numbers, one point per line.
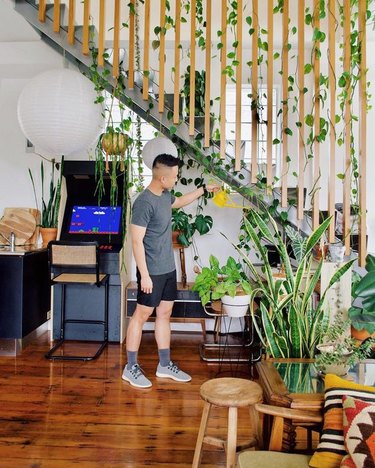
x=331, y=449
x=256, y=459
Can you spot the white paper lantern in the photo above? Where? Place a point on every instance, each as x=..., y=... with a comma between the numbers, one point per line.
x=156, y=146
x=57, y=112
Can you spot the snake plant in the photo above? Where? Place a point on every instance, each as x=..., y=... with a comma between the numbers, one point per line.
x=288, y=314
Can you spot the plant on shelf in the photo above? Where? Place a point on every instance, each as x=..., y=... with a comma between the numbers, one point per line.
x=289, y=311
x=184, y=225
x=50, y=204
x=362, y=312
x=338, y=352
x=225, y=283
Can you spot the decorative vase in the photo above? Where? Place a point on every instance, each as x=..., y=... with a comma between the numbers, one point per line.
x=236, y=306
x=48, y=234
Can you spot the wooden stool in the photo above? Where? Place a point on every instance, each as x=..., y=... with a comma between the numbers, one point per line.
x=232, y=393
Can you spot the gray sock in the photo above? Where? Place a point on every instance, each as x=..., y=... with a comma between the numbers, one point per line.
x=132, y=358
x=164, y=356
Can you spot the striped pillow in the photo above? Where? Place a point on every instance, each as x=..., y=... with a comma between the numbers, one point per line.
x=331, y=447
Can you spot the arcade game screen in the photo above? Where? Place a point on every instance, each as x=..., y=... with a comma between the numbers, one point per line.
x=95, y=220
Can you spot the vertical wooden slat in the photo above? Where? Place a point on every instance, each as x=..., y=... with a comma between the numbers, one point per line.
x=71, y=21
x=146, y=50
x=162, y=56
x=116, y=39
x=237, y=163
x=207, y=96
x=301, y=106
x=254, y=93
x=347, y=131
x=56, y=16
x=269, y=91
x=193, y=14
x=101, y=33
x=131, y=44
x=316, y=160
x=362, y=134
x=42, y=11
x=285, y=68
x=332, y=109
x=86, y=27
x=177, y=62
x=223, y=78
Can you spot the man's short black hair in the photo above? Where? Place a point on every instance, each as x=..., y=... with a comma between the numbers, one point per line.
x=165, y=160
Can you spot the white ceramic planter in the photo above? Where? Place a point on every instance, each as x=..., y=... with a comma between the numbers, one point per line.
x=236, y=306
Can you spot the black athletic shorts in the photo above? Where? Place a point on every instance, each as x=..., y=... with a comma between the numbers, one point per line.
x=164, y=289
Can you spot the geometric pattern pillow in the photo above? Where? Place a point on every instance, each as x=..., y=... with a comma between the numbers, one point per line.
x=331, y=448
x=359, y=433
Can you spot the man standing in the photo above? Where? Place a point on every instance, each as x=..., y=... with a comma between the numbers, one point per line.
x=156, y=272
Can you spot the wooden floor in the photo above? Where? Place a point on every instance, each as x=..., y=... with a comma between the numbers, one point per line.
x=63, y=414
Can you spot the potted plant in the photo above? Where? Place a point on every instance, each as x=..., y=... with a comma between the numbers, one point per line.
x=338, y=352
x=50, y=205
x=199, y=98
x=185, y=225
x=362, y=312
x=289, y=311
x=228, y=283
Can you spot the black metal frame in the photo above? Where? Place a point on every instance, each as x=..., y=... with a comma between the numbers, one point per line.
x=63, y=320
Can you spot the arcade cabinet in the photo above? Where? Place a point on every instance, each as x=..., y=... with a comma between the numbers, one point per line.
x=85, y=219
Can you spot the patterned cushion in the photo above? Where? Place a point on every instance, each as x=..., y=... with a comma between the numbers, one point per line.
x=331, y=447
x=359, y=434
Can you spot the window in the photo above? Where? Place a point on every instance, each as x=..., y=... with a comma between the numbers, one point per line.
x=246, y=115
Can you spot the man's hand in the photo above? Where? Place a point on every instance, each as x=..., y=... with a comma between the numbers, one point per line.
x=146, y=285
x=213, y=188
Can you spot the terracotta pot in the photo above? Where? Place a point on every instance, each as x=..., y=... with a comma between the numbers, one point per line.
x=48, y=234
x=361, y=335
x=319, y=253
x=175, y=241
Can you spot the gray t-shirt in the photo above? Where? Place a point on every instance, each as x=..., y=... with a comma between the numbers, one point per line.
x=154, y=213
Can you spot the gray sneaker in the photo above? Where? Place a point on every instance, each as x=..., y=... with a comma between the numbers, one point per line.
x=172, y=371
x=136, y=377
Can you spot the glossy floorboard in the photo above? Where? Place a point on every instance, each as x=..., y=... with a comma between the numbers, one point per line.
x=62, y=414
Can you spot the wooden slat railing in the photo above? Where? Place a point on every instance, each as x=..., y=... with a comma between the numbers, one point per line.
x=269, y=92
x=362, y=134
x=71, y=25
x=332, y=97
x=101, y=40
x=301, y=108
x=347, y=131
x=238, y=139
x=207, y=96
x=306, y=85
x=285, y=94
x=162, y=57
x=316, y=160
x=177, y=62
x=223, y=78
x=254, y=93
x=86, y=28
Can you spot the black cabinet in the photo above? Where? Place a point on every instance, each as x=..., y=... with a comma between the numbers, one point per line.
x=187, y=305
x=24, y=292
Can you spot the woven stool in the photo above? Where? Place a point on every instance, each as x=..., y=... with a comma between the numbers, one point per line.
x=231, y=393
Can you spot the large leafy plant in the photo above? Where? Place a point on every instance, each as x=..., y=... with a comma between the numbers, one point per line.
x=187, y=225
x=363, y=317
x=214, y=281
x=288, y=316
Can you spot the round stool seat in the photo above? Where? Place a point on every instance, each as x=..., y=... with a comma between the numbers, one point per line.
x=231, y=392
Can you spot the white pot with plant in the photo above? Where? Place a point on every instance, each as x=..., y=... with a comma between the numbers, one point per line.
x=50, y=204
x=228, y=283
